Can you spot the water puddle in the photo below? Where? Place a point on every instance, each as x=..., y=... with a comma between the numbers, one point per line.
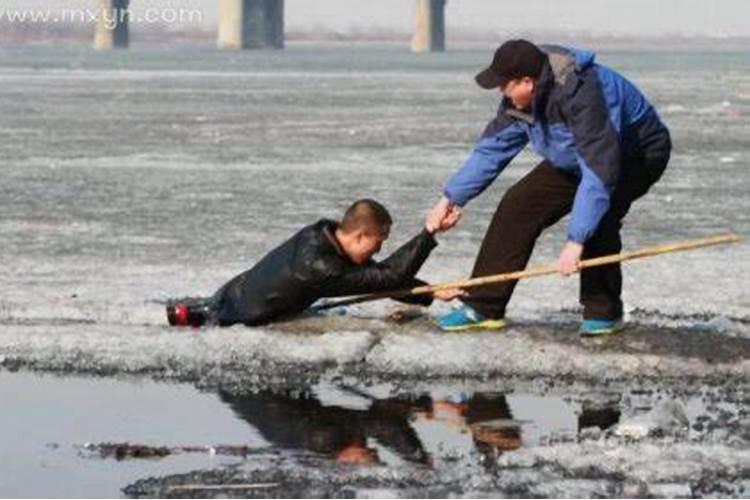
x=51, y=426
x=350, y=425
x=45, y=419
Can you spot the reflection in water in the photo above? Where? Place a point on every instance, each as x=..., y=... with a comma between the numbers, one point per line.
x=491, y=423
x=303, y=422
x=601, y=417
x=486, y=416
x=362, y=433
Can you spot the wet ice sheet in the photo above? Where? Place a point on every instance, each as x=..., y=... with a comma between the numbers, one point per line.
x=307, y=348
x=593, y=470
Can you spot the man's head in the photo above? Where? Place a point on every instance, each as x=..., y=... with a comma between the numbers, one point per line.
x=357, y=452
x=514, y=70
x=364, y=228
x=499, y=438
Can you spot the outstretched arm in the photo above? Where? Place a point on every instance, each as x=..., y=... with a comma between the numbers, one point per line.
x=502, y=140
x=390, y=274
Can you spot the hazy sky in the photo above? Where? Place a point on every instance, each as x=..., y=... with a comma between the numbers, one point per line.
x=617, y=17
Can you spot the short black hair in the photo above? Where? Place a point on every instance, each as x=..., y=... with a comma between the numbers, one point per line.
x=368, y=215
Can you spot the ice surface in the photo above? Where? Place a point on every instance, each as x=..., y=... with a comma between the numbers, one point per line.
x=609, y=467
x=668, y=417
x=369, y=346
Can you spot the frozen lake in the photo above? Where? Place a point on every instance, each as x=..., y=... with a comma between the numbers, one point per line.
x=131, y=177
x=140, y=175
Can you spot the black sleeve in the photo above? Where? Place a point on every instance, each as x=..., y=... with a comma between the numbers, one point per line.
x=418, y=300
x=390, y=274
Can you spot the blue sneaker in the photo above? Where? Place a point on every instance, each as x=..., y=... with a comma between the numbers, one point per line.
x=466, y=318
x=596, y=327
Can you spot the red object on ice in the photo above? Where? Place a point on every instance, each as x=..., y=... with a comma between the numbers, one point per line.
x=181, y=315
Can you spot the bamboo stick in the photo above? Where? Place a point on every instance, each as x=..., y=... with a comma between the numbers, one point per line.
x=543, y=270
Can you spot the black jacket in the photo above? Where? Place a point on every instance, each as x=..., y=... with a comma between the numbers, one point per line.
x=311, y=265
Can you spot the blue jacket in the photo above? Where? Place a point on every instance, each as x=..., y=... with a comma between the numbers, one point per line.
x=585, y=120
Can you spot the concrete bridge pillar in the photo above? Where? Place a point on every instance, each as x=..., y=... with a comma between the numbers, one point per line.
x=429, y=26
x=112, y=29
x=251, y=24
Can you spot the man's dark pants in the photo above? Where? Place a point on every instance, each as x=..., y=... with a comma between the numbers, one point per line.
x=536, y=202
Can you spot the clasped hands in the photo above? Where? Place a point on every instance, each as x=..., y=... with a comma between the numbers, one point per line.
x=443, y=216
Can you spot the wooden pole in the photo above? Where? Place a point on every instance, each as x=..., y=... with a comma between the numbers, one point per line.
x=539, y=271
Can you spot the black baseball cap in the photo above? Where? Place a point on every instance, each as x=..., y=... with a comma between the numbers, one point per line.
x=513, y=59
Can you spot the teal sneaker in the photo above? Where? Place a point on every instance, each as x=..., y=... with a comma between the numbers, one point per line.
x=466, y=318
x=596, y=327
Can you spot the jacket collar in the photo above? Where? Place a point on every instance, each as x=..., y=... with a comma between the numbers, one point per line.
x=329, y=230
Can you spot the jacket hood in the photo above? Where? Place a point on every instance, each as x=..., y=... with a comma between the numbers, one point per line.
x=562, y=64
x=583, y=58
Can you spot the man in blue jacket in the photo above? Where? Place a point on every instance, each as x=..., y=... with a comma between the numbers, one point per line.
x=603, y=146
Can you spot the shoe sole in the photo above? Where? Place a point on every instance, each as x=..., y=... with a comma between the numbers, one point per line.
x=490, y=324
x=603, y=332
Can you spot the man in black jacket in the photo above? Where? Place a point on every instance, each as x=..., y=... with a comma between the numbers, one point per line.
x=326, y=259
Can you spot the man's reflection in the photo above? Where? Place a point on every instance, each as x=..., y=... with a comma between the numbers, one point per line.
x=486, y=416
x=302, y=422
x=599, y=414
